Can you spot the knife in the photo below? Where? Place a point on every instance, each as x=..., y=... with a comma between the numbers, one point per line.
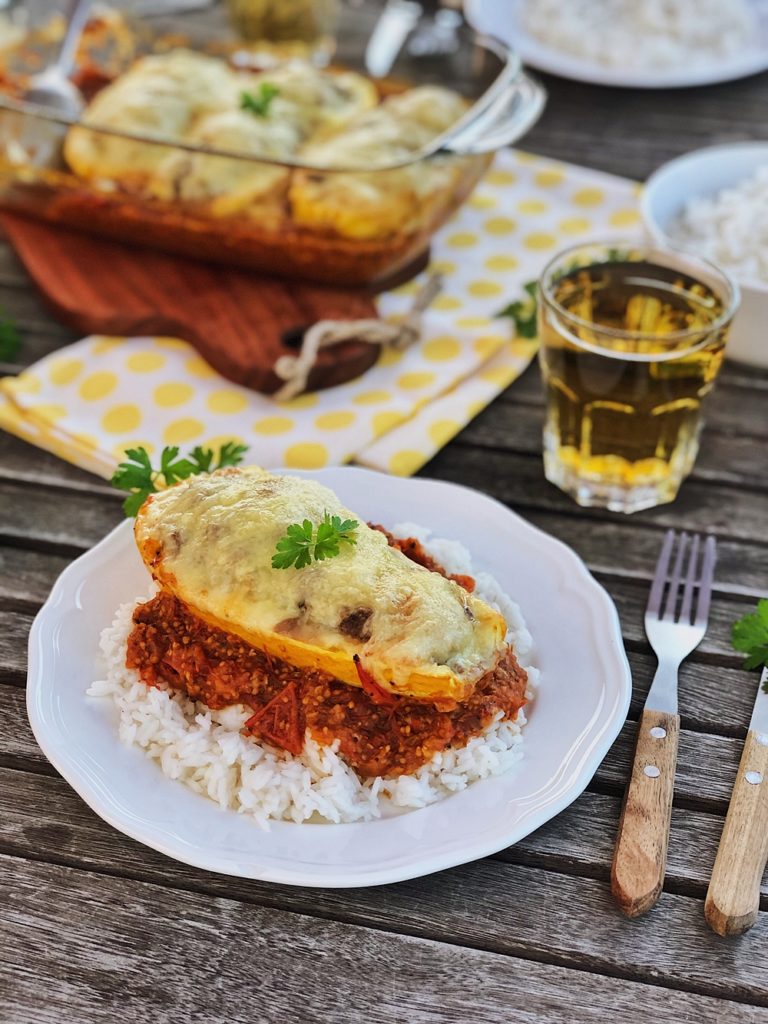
x=733, y=897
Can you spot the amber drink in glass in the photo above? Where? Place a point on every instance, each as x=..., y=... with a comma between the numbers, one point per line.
x=632, y=339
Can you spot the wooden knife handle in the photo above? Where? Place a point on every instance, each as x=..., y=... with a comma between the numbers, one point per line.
x=640, y=858
x=733, y=897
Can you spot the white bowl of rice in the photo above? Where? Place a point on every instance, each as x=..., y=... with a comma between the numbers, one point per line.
x=714, y=202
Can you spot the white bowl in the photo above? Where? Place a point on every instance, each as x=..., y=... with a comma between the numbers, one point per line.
x=703, y=173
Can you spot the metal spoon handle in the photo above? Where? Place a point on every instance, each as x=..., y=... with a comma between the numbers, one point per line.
x=78, y=19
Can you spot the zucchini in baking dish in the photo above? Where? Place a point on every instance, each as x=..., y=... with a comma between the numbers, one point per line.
x=369, y=613
x=332, y=119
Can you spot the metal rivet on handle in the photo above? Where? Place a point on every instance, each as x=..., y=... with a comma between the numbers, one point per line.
x=651, y=771
x=754, y=778
x=658, y=733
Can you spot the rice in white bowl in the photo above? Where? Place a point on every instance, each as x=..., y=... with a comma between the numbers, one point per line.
x=206, y=750
x=729, y=228
x=642, y=34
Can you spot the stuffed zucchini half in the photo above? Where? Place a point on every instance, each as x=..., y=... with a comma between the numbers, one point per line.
x=368, y=612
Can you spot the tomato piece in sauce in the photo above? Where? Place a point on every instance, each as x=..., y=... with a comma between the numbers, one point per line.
x=278, y=721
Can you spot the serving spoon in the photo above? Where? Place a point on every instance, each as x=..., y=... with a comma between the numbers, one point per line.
x=52, y=87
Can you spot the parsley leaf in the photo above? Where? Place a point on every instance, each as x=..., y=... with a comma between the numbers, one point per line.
x=523, y=312
x=301, y=543
x=258, y=103
x=10, y=339
x=201, y=459
x=231, y=454
x=137, y=475
x=749, y=634
x=173, y=469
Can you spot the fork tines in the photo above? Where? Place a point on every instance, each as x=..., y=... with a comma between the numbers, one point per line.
x=694, y=573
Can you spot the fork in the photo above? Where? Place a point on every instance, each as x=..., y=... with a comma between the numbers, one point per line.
x=640, y=858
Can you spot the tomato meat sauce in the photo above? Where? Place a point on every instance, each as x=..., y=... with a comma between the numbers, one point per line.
x=378, y=733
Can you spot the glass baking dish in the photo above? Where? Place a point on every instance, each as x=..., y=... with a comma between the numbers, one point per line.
x=502, y=104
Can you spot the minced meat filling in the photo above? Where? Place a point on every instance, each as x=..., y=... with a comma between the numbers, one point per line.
x=170, y=646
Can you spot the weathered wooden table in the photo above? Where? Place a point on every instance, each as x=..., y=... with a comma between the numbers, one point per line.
x=95, y=928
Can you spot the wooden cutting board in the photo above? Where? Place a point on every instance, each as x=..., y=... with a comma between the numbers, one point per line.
x=239, y=322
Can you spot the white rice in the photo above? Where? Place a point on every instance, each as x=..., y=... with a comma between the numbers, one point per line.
x=642, y=34
x=205, y=749
x=730, y=227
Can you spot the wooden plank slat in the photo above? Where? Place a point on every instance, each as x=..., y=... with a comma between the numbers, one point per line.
x=724, y=457
x=629, y=132
x=168, y=946
x=13, y=646
x=43, y=819
x=519, y=482
x=26, y=577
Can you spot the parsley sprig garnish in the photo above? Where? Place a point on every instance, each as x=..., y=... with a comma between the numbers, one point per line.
x=259, y=102
x=138, y=476
x=749, y=634
x=302, y=542
x=10, y=339
x=523, y=312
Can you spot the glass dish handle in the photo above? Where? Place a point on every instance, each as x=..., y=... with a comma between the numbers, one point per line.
x=503, y=122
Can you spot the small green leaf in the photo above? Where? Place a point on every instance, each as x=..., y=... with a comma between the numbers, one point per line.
x=749, y=634
x=258, y=103
x=302, y=542
x=10, y=339
x=136, y=474
x=231, y=454
x=134, y=501
x=202, y=458
x=523, y=312
x=174, y=469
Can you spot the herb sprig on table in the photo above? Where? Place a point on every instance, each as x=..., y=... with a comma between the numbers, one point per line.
x=140, y=478
x=523, y=311
x=259, y=102
x=749, y=634
x=10, y=339
x=303, y=542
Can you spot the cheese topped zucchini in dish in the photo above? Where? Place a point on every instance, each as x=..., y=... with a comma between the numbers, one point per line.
x=292, y=112
x=210, y=541
x=372, y=648
x=172, y=95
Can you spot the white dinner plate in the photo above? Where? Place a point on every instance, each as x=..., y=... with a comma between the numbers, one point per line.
x=580, y=707
x=503, y=19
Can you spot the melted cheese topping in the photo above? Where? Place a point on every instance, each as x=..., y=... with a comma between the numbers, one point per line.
x=381, y=202
x=210, y=541
x=184, y=96
x=327, y=118
x=160, y=96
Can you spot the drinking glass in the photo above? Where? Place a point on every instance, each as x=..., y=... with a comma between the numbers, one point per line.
x=290, y=27
x=632, y=338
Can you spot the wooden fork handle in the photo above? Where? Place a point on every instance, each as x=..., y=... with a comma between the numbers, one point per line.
x=733, y=897
x=640, y=858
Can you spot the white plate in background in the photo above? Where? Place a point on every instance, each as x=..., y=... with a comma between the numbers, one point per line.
x=503, y=19
x=578, y=712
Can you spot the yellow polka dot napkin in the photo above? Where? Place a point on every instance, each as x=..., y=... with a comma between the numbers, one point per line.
x=90, y=401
